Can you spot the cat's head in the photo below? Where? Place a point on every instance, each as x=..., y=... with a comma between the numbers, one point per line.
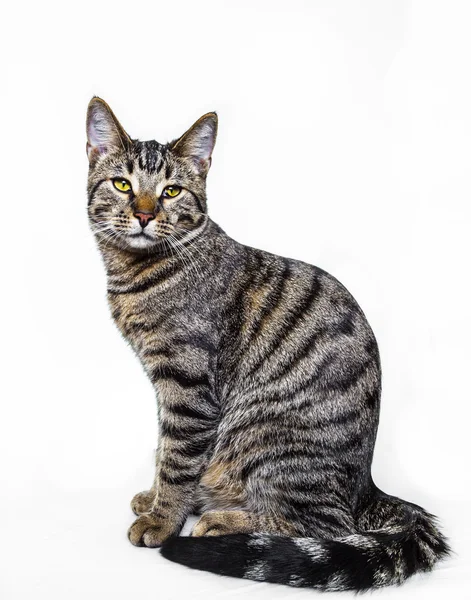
x=146, y=196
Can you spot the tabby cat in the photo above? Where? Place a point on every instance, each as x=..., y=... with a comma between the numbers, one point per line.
x=267, y=378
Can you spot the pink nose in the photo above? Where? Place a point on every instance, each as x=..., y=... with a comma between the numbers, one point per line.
x=144, y=218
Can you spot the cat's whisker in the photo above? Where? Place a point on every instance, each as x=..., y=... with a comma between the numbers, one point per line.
x=178, y=252
x=108, y=235
x=192, y=245
x=184, y=252
x=169, y=246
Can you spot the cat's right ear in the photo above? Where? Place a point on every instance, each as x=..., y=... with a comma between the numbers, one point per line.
x=104, y=131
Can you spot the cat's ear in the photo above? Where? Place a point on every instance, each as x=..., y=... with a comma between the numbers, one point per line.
x=104, y=131
x=198, y=142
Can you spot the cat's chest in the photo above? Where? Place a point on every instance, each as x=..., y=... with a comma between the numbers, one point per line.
x=139, y=320
x=167, y=338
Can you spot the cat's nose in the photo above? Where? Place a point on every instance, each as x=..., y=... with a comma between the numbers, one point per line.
x=144, y=218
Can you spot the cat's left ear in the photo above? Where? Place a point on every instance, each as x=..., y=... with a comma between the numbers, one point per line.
x=198, y=142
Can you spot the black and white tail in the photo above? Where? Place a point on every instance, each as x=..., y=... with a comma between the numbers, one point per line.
x=406, y=544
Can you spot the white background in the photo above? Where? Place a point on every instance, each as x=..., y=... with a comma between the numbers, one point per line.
x=345, y=141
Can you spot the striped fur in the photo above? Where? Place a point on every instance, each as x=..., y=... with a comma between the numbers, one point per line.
x=268, y=383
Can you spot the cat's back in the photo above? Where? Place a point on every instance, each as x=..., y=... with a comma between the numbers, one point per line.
x=285, y=319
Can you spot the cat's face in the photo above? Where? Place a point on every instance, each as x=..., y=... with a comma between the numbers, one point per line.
x=146, y=196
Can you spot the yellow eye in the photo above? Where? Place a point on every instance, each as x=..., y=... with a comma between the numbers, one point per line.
x=172, y=190
x=122, y=185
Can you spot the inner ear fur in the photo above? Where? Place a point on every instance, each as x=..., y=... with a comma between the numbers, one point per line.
x=104, y=132
x=198, y=142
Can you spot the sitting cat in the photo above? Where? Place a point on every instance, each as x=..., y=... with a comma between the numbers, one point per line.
x=267, y=377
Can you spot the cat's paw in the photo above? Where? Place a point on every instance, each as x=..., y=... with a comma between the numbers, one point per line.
x=148, y=530
x=221, y=523
x=142, y=503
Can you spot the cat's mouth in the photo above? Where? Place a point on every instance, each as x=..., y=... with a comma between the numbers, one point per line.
x=141, y=234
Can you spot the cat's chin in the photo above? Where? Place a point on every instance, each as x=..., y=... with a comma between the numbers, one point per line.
x=141, y=242
x=131, y=243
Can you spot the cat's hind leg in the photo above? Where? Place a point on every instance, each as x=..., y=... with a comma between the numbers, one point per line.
x=223, y=522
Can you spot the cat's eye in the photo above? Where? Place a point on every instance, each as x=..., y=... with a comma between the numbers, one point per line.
x=122, y=185
x=171, y=191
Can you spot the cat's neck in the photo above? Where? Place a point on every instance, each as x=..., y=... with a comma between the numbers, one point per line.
x=120, y=261
x=123, y=262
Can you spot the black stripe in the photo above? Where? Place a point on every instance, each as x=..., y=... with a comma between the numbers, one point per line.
x=116, y=313
x=291, y=318
x=159, y=166
x=326, y=518
x=198, y=201
x=159, y=514
x=286, y=436
x=176, y=462
x=344, y=326
x=197, y=340
x=141, y=162
x=164, y=351
x=195, y=447
x=145, y=265
x=308, y=382
x=151, y=159
x=315, y=454
x=140, y=326
x=312, y=379
x=187, y=411
x=345, y=380
x=179, y=479
x=156, y=278
x=372, y=349
x=181, y=377
x=100, y=210
x=371, y=399
x=94, y=189
x=274, y=297
x=182, y=432
x=233, y=312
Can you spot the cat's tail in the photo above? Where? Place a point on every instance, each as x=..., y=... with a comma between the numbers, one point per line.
x=407, y=542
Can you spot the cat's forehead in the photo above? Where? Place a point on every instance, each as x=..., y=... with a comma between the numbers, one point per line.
x=148, y=157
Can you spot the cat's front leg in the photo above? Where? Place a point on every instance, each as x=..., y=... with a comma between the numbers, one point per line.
x=143, y=502
x=188, y=420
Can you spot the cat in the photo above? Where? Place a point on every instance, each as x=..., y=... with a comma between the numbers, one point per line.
x=268, y=382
